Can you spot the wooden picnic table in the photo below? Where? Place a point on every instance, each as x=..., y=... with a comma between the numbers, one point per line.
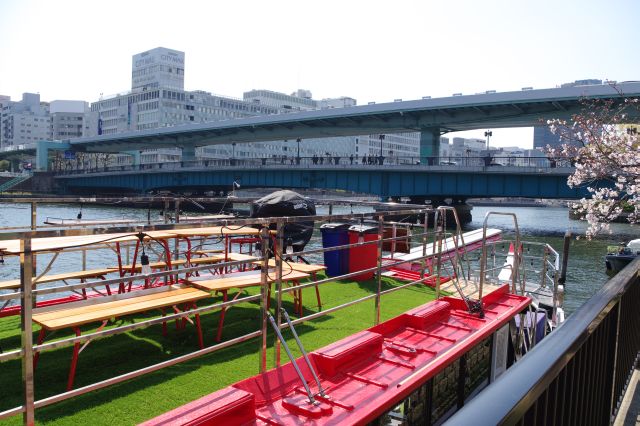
x=242, y=280
x=75, y=314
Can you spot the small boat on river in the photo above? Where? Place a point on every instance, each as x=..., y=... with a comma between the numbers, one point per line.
x=620, y=256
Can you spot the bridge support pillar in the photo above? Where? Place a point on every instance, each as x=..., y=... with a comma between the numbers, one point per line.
x=188, y=154
x=429, y=145
x=42, y=153
x=135, y=157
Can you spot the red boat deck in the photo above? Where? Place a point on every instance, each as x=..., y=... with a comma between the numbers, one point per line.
x=365, y=375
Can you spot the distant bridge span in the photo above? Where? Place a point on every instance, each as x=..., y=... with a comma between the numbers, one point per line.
x=431, y=117
x=384, y=181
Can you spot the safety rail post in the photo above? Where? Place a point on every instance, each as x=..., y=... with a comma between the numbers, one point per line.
x=34, y=214
x=438, y=258
x=394, y=234
x=264, y=295
x=165, y=211
x=176, y=210
x=423, y=260
x=26, y=324
x=545, y=258
x=379, y=272
x=278, y=256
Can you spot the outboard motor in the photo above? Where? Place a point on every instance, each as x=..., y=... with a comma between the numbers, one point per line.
x=287, y=203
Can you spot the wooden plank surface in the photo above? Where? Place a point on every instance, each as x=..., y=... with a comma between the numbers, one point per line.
x=59, y=243
x=297, y=266
x=242, y=280
x=90, y=273
x=64, y=318
x=221, y=231
x=204, y=260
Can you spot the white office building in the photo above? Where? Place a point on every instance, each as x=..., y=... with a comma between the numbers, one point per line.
x=69, y=119
x=158, y=99
x=24, y=122
x=300, y=100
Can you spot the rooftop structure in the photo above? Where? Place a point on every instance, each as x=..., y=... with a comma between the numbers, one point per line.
x=159, y=67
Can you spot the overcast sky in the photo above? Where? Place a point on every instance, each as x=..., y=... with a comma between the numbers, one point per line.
x=369, y=50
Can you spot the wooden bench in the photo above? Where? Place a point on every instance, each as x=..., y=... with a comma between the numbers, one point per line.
x=73, y=315
x=308, y=268
x=240, y=281
x=6, y=310
x=64, y=276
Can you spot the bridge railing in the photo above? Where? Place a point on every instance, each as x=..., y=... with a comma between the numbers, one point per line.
x=577, y=375
x=444, y=163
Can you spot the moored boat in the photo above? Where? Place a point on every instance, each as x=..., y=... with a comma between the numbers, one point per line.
x=620, y=256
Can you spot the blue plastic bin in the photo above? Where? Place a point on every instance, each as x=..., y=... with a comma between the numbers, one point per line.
x=336, y=261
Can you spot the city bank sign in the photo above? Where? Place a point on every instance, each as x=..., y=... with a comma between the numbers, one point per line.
x=169, y=57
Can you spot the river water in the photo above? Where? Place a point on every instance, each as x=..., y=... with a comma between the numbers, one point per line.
x=585, y=275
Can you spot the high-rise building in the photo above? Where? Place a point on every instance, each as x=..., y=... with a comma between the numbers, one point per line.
x=25, y=121
x=543, y=136
x=159, y=67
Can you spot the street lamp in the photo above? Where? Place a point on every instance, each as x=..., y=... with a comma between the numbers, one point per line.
x=488, y=135
x=487, y=158
x=381, y=139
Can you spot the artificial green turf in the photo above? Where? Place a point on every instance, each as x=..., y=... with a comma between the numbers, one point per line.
x=153, y=394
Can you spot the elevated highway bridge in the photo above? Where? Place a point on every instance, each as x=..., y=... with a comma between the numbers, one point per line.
x=430, y=117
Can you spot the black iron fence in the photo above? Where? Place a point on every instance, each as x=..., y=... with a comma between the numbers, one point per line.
x=578, y=374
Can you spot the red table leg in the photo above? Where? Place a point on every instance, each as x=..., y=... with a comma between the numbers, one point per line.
x=74, y=361
x=317, y=292
x=36, y=356
x=222, y=312
x=198, y=326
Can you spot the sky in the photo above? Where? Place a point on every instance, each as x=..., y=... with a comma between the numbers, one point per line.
x=369, y=50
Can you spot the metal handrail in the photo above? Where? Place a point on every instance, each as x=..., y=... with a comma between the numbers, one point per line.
x=531, y=381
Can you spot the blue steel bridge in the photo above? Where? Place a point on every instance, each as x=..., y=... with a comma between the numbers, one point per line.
x=416, y=181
